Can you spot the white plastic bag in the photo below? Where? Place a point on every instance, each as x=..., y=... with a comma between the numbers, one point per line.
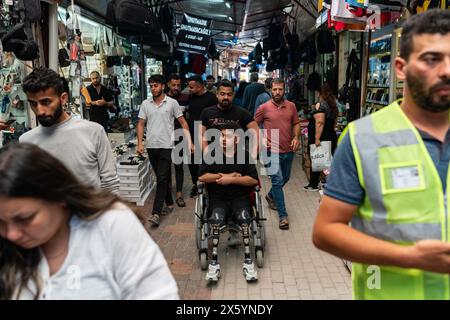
x=320, y=156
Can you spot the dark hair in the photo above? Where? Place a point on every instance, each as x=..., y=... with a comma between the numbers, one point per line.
x=173, y=76
x=209, y=77
x=240, y=92
x=254, y=77
x=198, y=79
x=156, y=78
x=234, y=81
x=96, y=72
x=326, y=93
x=279, y=80
x=28, y=171
x=430, y=22
x=268, y=83
x=231, y=125
x=42, y=79
x=65, y=85
x=225, y=84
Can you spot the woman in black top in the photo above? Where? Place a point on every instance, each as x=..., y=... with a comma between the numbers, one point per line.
x=321, y=127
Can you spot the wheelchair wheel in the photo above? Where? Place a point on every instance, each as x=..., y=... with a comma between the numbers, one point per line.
x=203, y=260
x=259, y=258
x=262, y=232
x=198, y=232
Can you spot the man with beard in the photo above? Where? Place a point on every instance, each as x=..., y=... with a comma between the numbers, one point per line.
x=279, y=118
x=101, y=100
x=174, y=85
x=80, y=144
x=159, y=113
x=390, y=176
x=225, y=112
x=198, y=101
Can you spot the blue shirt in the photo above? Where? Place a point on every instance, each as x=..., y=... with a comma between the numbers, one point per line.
x=261, y=99
x=343, y=183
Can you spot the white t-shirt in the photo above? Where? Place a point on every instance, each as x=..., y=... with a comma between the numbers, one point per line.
x=160, y=122
x=110, y=258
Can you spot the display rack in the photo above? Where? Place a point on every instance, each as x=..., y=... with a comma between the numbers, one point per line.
x=379, y=74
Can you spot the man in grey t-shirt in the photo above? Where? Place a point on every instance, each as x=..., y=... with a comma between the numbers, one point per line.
x=81, y=145
x=159, y=113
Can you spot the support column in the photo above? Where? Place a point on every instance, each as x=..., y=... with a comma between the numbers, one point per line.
x=53, y=37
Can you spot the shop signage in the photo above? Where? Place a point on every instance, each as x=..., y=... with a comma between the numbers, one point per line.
x=323, y=17
x=194, y=35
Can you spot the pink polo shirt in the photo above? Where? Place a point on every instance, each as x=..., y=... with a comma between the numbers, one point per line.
x=283, y=119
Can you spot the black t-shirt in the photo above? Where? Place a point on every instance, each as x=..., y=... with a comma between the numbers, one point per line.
x=183, y=101
x=105, y=94
x=196, y=106
x=229, y=192
x=213, y=117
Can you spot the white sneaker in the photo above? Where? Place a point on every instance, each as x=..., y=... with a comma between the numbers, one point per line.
x=249, y=270
x=213, y=273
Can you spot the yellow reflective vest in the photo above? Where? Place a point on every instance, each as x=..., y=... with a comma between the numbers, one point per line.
x=404, y=202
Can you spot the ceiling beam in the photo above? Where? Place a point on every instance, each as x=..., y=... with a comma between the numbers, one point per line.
x=306, y=10
x=269, y=11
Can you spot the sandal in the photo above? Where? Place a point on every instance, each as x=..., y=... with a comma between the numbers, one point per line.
x=154, y=219
x=180, y=202
x=284, y=224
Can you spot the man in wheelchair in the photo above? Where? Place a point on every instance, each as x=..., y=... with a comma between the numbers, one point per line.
x=230, y=185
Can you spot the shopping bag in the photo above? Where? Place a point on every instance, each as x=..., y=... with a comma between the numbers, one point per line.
x=320, y=156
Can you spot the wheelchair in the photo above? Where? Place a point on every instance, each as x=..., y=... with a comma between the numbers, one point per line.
x=203, y=232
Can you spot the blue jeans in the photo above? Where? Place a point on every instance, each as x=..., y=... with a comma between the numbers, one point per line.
x=279, y=179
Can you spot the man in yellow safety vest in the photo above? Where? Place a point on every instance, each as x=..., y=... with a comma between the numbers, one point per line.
x=389, y=178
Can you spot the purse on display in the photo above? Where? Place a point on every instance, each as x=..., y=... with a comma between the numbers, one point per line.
x=110, y=49
x=88, y=45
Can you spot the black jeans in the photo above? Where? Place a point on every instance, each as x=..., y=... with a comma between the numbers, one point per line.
x=194, y=169
x=239, y=208
x=161, y=161
x=179, y=175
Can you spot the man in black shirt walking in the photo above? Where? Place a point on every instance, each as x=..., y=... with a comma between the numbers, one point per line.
x=198, y=101
x=174, y=85
x=101, y=100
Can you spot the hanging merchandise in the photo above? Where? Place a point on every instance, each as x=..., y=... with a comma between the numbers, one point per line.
x=314, y=81
x=424, y=5
x=325, y=42
x=20, y=41
x=30, y=10
x=63, y=58
x=343, y=12
x=131, y=17
x=199, y=64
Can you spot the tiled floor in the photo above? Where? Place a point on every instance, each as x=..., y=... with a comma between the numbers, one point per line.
x=293, y=269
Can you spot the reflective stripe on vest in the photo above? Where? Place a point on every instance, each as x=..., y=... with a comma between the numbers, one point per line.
x=368, y=142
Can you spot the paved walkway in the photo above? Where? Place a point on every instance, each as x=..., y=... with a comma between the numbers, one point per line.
x=293, y=268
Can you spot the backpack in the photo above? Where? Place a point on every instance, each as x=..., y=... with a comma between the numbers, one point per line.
x=20, y=43
x=325, y=42
x=30, y=10
x=131, y=17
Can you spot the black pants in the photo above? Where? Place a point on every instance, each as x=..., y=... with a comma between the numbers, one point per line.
x=194, y=169
x=161, y=161
x=239, y=208
x=315, y=176
x=99, y=118
x=179, y=175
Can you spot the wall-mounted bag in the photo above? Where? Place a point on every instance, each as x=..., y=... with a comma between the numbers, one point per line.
x=131, y=17
x=88, y=45
x=20, y=42
x=110, y=49
x=325, y=42
x=63, y=58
